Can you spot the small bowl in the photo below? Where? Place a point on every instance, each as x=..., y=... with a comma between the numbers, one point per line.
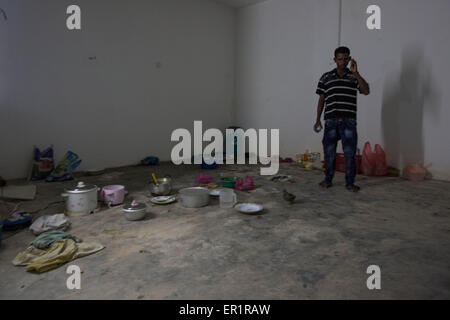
x=136, y=212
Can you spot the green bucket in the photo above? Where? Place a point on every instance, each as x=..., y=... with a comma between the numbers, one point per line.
x=228, y=182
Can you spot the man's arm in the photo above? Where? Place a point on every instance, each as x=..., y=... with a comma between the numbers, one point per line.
x=363, y=85
x=320, y=106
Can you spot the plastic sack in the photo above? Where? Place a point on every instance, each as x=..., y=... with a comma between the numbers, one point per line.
x=48, y=223
x=380, y=161
x=203, y=178
x=43, y=163
x=246, y=184
x=65, y=167
x=415, y=173
x=368, y=160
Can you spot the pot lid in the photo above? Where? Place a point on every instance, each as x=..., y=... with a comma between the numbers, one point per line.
x=134, y=206
x=82, y=188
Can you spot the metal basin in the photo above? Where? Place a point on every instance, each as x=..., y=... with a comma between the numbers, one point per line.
x=194, y=197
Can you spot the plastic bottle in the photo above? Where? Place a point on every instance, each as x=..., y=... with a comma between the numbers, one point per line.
x=318, y=127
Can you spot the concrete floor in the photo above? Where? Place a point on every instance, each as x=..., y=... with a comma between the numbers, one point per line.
x=318, y=248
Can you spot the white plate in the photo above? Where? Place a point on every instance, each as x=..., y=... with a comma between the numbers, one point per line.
x=163, y=199
x=214, y=193
x=250, y=208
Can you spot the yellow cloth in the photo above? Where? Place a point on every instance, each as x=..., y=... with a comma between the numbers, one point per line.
x=58, y=253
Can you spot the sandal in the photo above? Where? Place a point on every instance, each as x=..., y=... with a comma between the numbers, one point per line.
x=325, y=184
x=353, y=188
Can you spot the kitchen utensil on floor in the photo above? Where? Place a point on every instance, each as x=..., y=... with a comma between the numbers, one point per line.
x=215, y=192
x=96, y=172
x=162, y=188
x=229, y=182
x=227, y=198
x=135, y=211
x=249, y=208
x=196, y=197
x=163, y=199
x=81, y=200
x=113, y=195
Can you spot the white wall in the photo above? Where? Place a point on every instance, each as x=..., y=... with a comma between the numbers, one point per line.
x=285, y=45
x=406, y=63
x=119, y=108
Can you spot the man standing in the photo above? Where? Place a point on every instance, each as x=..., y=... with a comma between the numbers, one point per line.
x=337, y=92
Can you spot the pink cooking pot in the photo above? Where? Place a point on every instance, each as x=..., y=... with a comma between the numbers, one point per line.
x=113, y=195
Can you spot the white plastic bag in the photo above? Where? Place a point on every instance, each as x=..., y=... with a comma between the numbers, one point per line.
x=48, y=223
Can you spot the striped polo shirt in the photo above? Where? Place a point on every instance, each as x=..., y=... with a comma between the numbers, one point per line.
x=340, y=94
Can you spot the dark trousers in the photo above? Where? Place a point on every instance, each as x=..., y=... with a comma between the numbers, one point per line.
x=344, y=130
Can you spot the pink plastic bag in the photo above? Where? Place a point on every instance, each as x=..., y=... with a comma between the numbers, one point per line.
x=203, y=178
x=380, y=161
x=368, y=160
x=246, y=184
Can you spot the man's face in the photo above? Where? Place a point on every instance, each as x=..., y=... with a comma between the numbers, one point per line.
x=342, y=60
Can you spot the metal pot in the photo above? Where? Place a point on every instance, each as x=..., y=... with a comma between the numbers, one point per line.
x=196, y=197
x=81, y=200
x=135, y=211
x=163, y=188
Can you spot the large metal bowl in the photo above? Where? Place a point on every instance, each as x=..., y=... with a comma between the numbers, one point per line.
x=196, y=197
x=163, y=188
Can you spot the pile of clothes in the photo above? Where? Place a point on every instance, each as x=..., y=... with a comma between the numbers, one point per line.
x=52, y=249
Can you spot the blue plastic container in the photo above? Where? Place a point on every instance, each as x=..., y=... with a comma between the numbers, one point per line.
x=209, y=166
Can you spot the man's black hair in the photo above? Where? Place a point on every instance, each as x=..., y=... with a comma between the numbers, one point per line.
x=343, y=50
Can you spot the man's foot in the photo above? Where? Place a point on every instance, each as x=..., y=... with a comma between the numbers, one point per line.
x=353, y=188
x=324, y=184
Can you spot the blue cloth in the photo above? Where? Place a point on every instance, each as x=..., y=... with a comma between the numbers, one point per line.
x=209, y=166
x=46, y=239
x=150, y=161
x=344, y=130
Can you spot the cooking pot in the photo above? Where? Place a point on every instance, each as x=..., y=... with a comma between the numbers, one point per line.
x=135, y=211
x=113, y=195
x=81, y=199
x=196, y=197
x=163, y=188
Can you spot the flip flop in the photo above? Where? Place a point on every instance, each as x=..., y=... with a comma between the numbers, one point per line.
x=353, y=188
x=325, y=185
